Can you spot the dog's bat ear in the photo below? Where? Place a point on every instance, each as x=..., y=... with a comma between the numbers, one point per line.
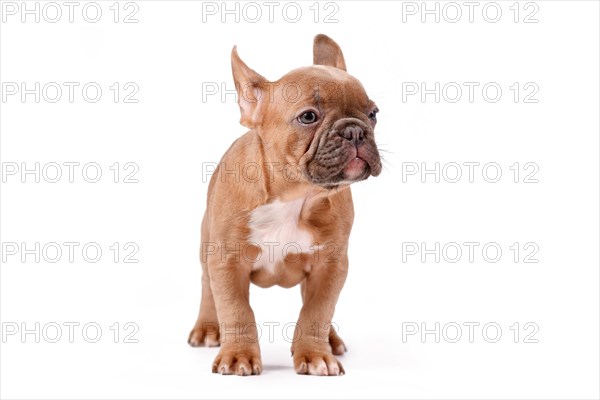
x=327, y=52
x=250, y=87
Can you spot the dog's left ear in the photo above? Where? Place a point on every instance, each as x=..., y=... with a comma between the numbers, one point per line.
x=327, y=52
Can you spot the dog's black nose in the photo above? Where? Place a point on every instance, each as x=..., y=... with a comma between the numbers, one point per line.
x=353, y=133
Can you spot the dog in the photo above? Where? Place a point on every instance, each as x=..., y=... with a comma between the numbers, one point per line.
x=285, y=219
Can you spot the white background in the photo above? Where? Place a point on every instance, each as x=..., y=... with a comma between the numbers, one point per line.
x=171, y=132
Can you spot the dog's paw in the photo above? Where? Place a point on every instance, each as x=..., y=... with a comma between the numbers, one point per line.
x=317, y=362
x=205, y=334
x=338, y=347
x=238, y=360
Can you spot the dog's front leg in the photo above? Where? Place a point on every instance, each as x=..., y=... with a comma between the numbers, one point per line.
x=240, y=351
x=311, y=349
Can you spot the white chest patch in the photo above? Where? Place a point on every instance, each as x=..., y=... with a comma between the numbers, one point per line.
x=274, y=228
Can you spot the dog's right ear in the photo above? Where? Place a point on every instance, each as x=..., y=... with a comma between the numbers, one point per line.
x=250, y=87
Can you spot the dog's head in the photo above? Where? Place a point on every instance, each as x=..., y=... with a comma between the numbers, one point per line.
x=318, y=118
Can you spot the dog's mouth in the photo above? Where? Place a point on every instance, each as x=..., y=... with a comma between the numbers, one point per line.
x=343, y=166
x=356, y=168
x=343, y=153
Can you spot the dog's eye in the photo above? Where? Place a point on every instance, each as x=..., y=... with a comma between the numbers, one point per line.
x=307, y=118
x=373, y=114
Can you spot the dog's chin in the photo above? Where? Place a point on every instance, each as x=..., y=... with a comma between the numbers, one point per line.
x=355, y=170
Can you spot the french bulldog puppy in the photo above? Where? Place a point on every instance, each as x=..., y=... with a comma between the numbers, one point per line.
x=279, y=209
